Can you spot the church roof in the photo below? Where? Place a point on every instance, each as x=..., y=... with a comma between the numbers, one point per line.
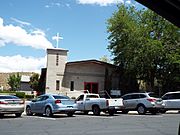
x=91, y=61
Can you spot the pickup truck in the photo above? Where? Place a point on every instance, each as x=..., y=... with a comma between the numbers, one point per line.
x=92, y=102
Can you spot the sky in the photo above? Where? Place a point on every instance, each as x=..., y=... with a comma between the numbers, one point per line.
x=28, y=28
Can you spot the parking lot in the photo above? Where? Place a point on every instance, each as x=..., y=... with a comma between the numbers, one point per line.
x=120, y=124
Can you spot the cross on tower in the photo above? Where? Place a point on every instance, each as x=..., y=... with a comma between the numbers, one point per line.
x=57, y=38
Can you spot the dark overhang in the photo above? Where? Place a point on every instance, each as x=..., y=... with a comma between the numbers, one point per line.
x=169, y=9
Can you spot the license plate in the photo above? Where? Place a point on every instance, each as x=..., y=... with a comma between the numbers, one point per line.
x=69, y=106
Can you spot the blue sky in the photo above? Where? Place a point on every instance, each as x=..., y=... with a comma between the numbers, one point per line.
x=27, y=28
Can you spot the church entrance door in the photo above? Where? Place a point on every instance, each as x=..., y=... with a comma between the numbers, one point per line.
x=92, y=87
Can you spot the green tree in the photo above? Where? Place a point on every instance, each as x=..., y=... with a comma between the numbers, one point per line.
x=14, y=81
x=144, y=44
x=34, y=81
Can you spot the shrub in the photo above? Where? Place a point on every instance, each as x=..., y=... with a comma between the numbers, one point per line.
x=20, y=94
x=28, y=97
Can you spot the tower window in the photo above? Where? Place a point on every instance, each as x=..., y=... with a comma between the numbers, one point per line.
x=57, y=84
x=57, y=59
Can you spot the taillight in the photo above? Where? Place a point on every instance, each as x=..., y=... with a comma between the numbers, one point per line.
x=151, y=99
x=107, y=102
x=57, y=101
x=21, y=102
x=3, y=102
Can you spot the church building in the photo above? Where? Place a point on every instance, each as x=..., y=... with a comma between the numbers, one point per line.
x=70, y=78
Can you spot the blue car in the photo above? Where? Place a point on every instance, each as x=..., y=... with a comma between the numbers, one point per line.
x=50, y=104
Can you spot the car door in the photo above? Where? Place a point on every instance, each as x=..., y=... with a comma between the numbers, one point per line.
x=175, y=101
x=127, y=101
x=41, y=104
x=80, y=102
x=34, y=104
x=168, y=99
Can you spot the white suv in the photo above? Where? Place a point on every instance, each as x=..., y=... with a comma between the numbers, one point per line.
x=142, y=102
x=171, y=101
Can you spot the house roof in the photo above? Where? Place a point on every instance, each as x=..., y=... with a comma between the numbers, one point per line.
x=169, y=9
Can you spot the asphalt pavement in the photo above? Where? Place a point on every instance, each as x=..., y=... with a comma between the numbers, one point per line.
x=79, y=124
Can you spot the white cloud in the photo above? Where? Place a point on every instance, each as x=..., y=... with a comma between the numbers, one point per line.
x=100, y=2
x=21, y=37
x=21, y=22
x=18, y=63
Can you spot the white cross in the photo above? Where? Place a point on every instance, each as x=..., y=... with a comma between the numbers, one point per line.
x=57, y=38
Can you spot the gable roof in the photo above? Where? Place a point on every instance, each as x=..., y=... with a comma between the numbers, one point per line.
x=93, y=61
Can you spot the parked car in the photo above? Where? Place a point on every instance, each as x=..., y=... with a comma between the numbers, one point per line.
x=92, y=102
x=11, y=105
x=142, y=102
x=171, y=101
x=50, y=104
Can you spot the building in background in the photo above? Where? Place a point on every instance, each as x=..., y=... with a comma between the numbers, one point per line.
x=72, y=78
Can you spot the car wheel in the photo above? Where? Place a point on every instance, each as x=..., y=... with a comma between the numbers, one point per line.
x=28, y=111
x=18, y=114
x=111, y=112
x=48, y=112
x=70, y=114
x=96, y=110
x=141, y=109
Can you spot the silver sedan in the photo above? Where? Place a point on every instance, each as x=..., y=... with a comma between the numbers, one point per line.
x=50, y=104
x=11, y=105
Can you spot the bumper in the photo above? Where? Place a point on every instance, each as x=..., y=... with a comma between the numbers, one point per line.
x=65, y=110
x=8, y=109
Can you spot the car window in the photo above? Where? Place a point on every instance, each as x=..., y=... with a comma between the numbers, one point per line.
x=127, y=97
x=92, y=96
x=80, y=98
x=8, y=97
x=142, y=96
x=165, y=97
x=135, y=96
x=60, y=97
x=153, y=95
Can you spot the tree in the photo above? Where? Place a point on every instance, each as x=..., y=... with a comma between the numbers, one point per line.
x=14, y=81
x=105, y=59
x=34, y=81
x=144, y=44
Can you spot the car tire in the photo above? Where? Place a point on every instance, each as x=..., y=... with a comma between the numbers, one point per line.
x=48, y=112
x=111, y=112
x=96, y=110
x=141, y=109
x=18, y=114
x=70, y=114
x=29, y=111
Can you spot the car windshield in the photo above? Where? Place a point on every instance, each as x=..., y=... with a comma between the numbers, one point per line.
x=61, y=97
x=153, y=95
x=8, y=97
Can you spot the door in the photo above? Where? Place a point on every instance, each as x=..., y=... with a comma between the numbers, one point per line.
x=92, y=87
x=80, y=102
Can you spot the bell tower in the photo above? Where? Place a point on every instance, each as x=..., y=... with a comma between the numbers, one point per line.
x=56, y=62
